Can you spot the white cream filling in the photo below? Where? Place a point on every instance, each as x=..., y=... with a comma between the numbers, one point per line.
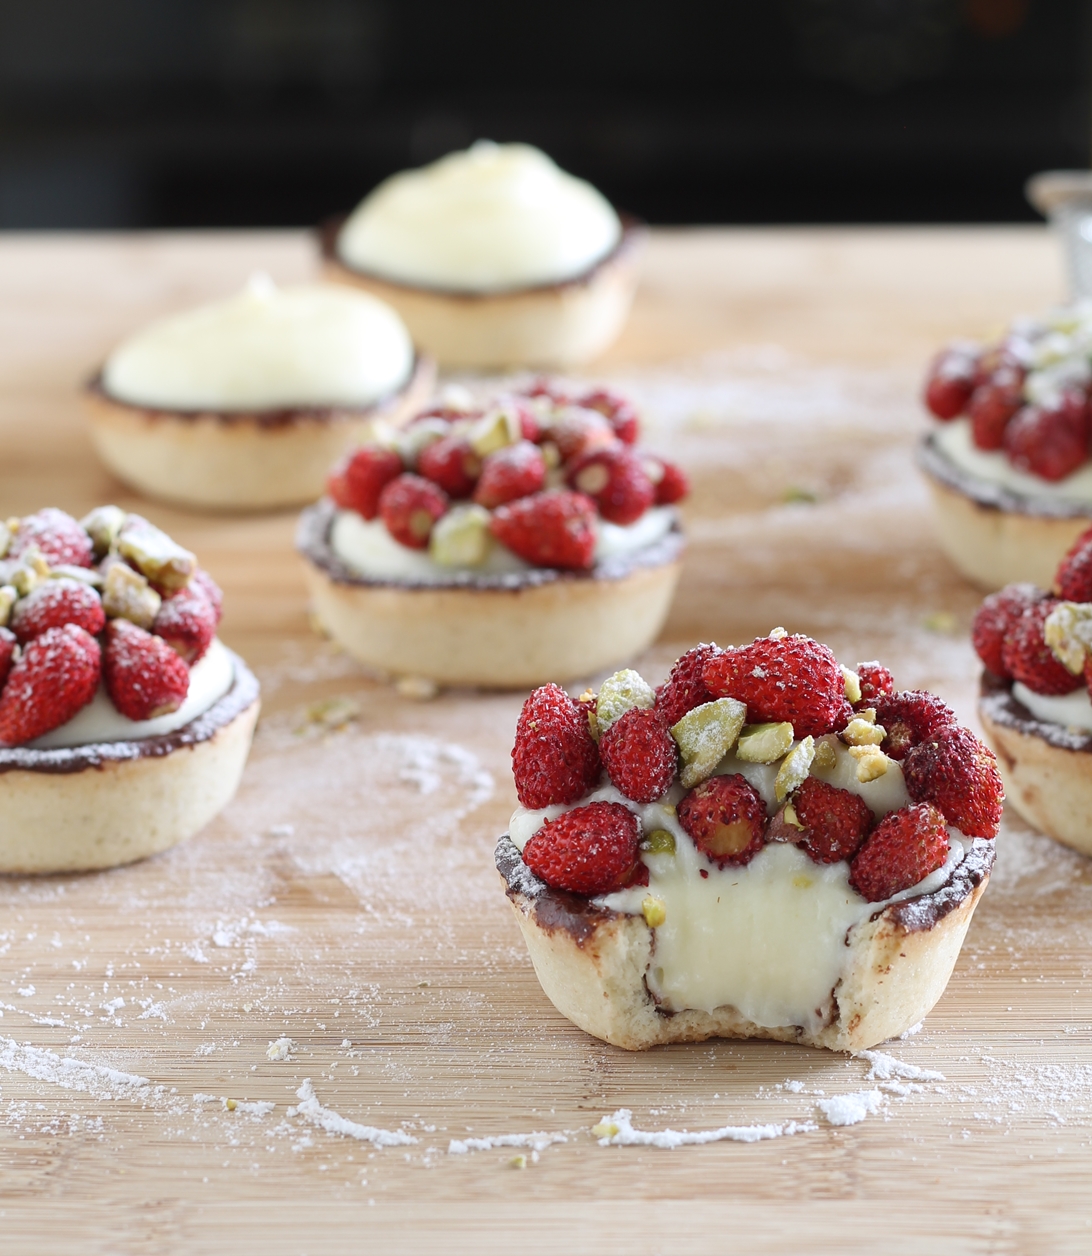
x=265, y=348
x=495, y=217
x=993, y=466
x=368, y=548
x=100, y=721
x=1071, y=710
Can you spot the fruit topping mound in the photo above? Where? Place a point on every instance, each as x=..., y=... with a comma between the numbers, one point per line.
x=536, y=470
x=771, y=742
x=108, y=599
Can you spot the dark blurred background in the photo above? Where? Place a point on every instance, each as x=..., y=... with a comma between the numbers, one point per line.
x=156, y=113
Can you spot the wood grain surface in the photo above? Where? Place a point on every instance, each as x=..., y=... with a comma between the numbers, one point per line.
x=347, y=902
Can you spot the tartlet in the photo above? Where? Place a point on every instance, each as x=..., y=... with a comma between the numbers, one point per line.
x=498, y=544
x=125, y=723
x=243, y=404
x=691, y=875
x=494, y=257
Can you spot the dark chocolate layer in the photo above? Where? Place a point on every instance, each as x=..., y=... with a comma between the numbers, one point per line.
x=996, y=701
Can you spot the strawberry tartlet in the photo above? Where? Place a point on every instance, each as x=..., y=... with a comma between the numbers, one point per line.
x=499, y=543
x=494, y=257
x=1034, y=702
x=1008, y=462
x=124, y=722
x=244, y=403
x=769, y=845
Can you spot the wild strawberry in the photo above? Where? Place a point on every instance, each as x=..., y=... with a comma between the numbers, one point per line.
x=619, y=412
x=1073, y=581
x=901, y=850
x=357, y=480
x=909, y=716
x=452, y=464
x=55, y=603
x=187, y=622
x=996, y=617
x=993, y=404
x=875, y=679
x=1026, y=657
x=554, y=759
x=726, y=818
x=530, y=428
x=615, y=478
x=203, y=581
x=958, y=774
x=55, y=679
x=783, y=678
x=836, y=821
x=409, y=506
x=1049, y=443
x=640, y=755
x=950, y=382
x=60, y=538
x=7, y=653
x=577, y=432
x=671, y=482
x=515, y=471
x=589, y=850
x=551, y=529
x=553, y=390
x=684, y=688
x=144, y=677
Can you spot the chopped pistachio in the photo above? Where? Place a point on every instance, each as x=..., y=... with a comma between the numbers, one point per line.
x=86, y=575
x=868, y=713
x=852, y=684
x=127, y=595
x=621, y=693
x=588, y=700
x=939, y=621
x=461, y=537
x=788, y=814
x=1068, y=632
x=826, y=754
x=518, y=1162
x=154, y=554
x=605, y=1129
x=496, y=430
x=859, y=732
x=5, y=539
x=658, y=842
x=776, y=634
x=872, y=763
x=230, y=1104
x=417, y=688
x=385, y=434
x=763, y=743
x=705, y=735
x=794, y=769
x=28, y=576
x=654, y=911
x=418, y=436
x=333, y=713
x=551, y=455
x=103, y=525
x=9, y=595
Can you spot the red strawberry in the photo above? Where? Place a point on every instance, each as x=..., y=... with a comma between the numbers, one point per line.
x=7, y=653
x=640, y=755
x=187, y=622
x=835, y=820
x=783, y=678
x=144, y=677
x=615, y=478
x=909, y=716
x=993, y=404
x=1026, y=657
x=958, y=774
x=552, y=389
x=950, y=383
x=357, y=480
x=554, y=759
x=684, y=688
x=726, y=818
x=448, y=413
x=619, y=412
x=902, y=850
x=203, y=581
x=577, y=432
x=1049, y=443
x=60, y=538
x=54, y=680
x=55, y=603
x=671, y=482
x=451, y=463
x=996, y=617
x=529, y=426
x=1074, y=579
x=875, y=679
x=589, y=850
x=551, y=529
x=515, y=471
x=409, y=506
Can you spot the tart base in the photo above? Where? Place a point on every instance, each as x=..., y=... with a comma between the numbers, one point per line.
x=591, y=964
x=238, y=461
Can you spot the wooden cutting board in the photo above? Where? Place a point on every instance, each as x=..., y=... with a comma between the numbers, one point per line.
x=346, y=904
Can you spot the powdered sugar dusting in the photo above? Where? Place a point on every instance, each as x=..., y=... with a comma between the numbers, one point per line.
x=311, y=1110
x=618, y=1131
x=851, y=1109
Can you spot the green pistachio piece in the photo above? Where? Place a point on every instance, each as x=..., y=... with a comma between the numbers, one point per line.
x=9, y=595
x=658, y=842
x=862, y=732
x=153, y=553
x=1068, y=632
x=127, y=595
x=5, y=539
x=794, y=769
x=621, y=693
x=496, y=430
x=86, y=575
x=826, y=754
x=852, y=685
x=102, y=525
x=461, y=537
x=705, y=735
x=763, y=743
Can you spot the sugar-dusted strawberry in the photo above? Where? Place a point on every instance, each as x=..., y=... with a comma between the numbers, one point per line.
x=950, y=382
x=726, y=818
x=993, y=404
x=144, y=677
x=909, y=716
x=670, y=481
x=61, y=539
x=996, y=617
x=589, y=850
x=900, y=851
x=529, y=426
x=640, y=755
x=1049, y=442
x=357, y=480
x=452, y=464
x=554, y=759
x=55, y=678
x=576, y=432
x=515, y=471
x=875, y=679
x=187, y=622
x=55, y=603
x=958, y=774
x=615, y=478
x=409, y=506
x=619, y=412
x=1073, y=581
x=836, y=821
x=554, y=390
x=203, y=581
x=551, y=529
x=783, y=678
x=1026, y=657
x=7, y=653
x=685, y=688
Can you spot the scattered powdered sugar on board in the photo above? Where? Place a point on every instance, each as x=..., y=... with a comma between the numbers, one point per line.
x=618, y=1131
x=311, y=1110
x=279, y=1050
x=537, y=1142
x=850, y=1109
x=46, y=1066
x=885, y=1067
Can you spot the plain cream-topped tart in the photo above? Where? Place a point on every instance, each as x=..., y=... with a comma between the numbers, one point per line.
x=494, y=257
x=124, y=722
x=769, y=845
x=498, y=541
x=244, y=403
